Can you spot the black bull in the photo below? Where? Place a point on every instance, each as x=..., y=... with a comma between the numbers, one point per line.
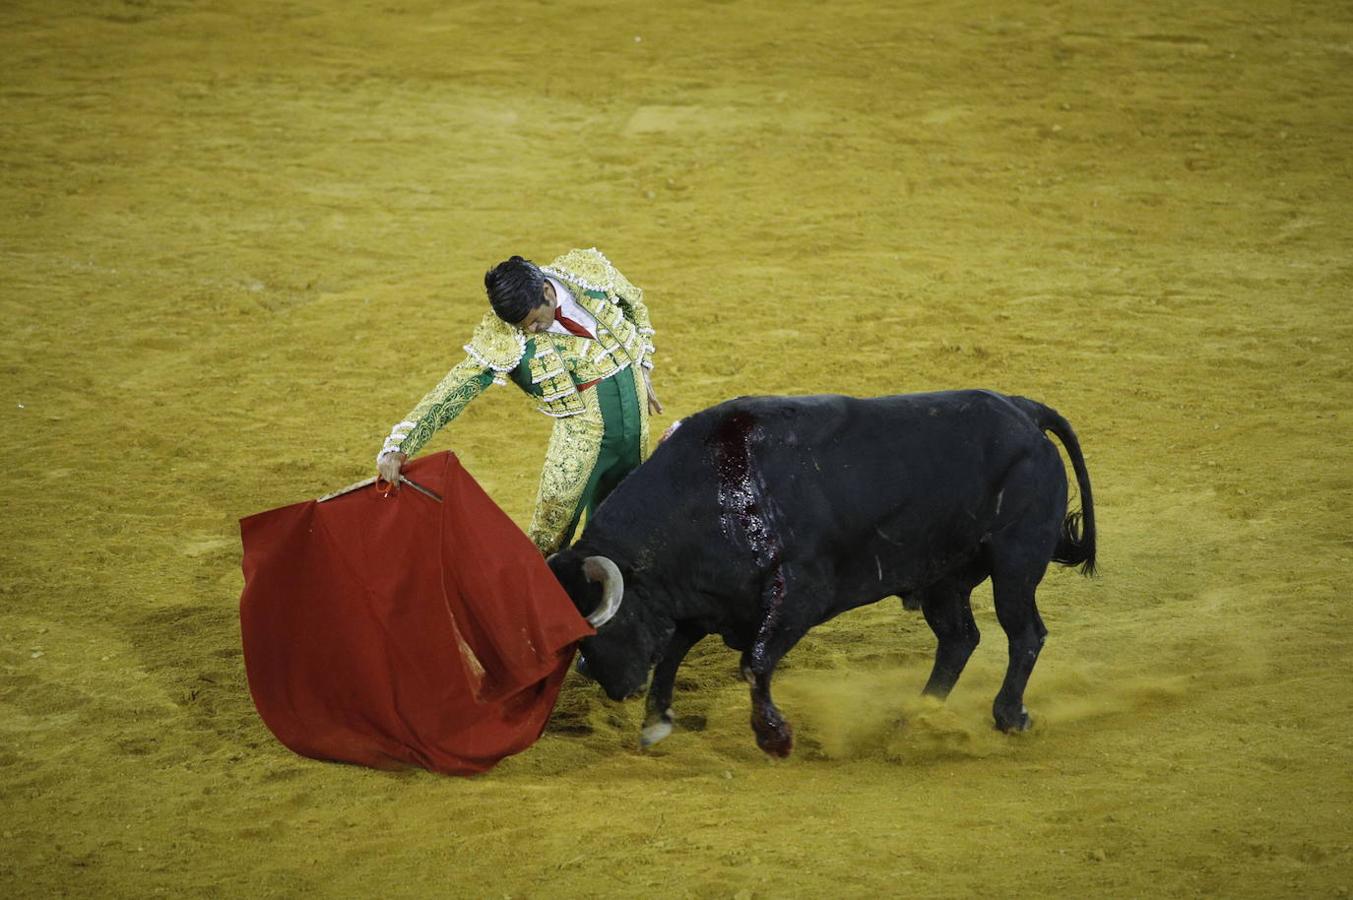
x=764, y=516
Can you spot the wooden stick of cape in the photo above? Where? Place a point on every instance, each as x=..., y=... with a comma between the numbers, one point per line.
x=365, y=482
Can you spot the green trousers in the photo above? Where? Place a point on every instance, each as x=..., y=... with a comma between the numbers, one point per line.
x=588, y=456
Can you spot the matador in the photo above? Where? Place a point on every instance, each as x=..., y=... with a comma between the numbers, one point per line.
x=576, y=337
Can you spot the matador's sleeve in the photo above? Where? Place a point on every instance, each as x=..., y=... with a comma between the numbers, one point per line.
x=592, y=270
x=495, y=349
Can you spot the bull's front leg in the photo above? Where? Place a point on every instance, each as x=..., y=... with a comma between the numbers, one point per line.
x=658, y=719
x=783, y=622
x=774, y=735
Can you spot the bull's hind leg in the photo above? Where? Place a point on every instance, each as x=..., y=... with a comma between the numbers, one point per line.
x=948, y=612
x=1019, y=557
x=658, y=721
x=1018, y=615
x=1018, y=553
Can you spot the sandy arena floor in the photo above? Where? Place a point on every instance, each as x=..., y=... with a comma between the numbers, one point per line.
x=238, y=240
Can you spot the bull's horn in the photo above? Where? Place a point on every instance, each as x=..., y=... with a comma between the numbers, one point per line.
x=599, y=568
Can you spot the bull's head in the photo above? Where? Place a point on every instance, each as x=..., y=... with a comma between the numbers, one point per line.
x=623, y=650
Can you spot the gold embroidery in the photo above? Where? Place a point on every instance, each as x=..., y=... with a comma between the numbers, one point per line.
x=443, y=403
x=574, y=447
x=618, y=344
x=641, y=390
x=496, y=344
x=592, y=271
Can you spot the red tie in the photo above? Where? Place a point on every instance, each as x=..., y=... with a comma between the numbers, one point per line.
x=572, y=326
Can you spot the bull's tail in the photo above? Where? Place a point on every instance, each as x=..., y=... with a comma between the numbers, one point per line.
x=1076, y=546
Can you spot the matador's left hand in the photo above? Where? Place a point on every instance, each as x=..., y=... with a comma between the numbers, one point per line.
x=654, y=404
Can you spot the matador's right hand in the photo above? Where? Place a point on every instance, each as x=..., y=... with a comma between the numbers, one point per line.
x=389, y=465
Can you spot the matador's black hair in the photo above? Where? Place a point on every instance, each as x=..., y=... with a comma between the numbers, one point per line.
x=515, y=287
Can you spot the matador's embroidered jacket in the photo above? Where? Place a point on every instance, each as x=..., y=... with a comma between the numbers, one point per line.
x=549, y=367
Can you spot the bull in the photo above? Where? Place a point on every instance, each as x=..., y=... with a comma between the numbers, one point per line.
x=764, y=516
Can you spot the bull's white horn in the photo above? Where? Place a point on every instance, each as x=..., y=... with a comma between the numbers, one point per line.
x=599, y=568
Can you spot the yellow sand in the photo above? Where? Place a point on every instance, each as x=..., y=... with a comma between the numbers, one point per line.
x=238, y=240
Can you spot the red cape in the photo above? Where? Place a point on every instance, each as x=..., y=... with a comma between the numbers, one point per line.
x=402, y=631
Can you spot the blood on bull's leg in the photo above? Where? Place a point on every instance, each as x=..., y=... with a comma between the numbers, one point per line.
x=773, y=734
x=658, y=719
x=782, y=625
x=749, y=513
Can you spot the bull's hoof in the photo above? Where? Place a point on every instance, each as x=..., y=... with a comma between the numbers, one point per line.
x=775, y=740
x=654, y=731
x=1015, y=722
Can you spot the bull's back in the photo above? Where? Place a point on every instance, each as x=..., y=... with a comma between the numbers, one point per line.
x=836, y=469
x=854, y=480
x=894, y=445
x=894, y=493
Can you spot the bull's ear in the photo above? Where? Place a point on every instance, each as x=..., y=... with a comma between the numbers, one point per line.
x=567, y=567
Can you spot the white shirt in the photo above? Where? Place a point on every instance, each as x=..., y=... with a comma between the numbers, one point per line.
x=570, y=308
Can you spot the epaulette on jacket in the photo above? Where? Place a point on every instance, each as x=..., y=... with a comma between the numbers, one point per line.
x=592, y=271
x=496, y=345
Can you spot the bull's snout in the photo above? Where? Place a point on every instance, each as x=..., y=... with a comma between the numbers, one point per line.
x=623, y=694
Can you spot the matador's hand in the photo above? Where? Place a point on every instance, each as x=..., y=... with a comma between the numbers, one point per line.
x=654, y=404
x=388, y=467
